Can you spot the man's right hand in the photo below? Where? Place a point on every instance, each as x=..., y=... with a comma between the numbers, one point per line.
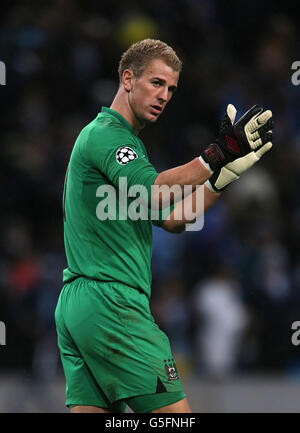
x=236, y=140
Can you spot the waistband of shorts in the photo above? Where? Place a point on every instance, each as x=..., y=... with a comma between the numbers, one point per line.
x=103, y=283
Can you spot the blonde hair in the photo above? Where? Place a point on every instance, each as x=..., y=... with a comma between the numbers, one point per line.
x=141, y=53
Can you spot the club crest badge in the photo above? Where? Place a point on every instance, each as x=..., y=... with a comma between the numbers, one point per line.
x=171, y=369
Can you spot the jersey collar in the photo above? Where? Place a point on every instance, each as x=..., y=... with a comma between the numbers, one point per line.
x=119, y=117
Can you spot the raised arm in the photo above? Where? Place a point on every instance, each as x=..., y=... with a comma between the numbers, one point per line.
x=258, y=134
x=190, y=210
x=235, y=140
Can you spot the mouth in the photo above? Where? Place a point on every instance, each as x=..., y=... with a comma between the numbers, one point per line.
x=157, y=109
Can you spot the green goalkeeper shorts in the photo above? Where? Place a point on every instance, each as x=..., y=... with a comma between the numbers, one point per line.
x=112, y=350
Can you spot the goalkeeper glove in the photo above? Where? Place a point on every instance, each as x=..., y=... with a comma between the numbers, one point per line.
x=232, y=171
x=236, y=140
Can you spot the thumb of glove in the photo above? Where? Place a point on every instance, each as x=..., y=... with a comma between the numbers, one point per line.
x=231, y=112
x=261, y=151
x=229, y=118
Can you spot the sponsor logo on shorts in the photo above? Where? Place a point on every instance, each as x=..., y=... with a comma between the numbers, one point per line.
x=171, y=369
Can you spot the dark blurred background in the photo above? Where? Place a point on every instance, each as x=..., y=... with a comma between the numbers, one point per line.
x=227, y=295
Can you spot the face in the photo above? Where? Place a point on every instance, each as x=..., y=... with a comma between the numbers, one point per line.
x=149, y=94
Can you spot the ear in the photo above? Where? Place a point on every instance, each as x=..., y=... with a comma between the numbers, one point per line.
x=128, y=79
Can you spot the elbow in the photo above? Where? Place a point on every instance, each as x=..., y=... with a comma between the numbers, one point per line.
x=173, y=228
x=179, y=230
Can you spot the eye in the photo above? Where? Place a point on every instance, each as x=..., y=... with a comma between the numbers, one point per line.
x=156, y=83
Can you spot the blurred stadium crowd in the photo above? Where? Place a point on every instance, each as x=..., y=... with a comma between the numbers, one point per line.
x=226, y=295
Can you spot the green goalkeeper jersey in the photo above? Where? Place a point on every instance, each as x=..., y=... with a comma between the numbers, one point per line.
x=116, y=248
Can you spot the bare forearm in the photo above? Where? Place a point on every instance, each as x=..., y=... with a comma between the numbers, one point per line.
x=190, y=210
x=192, y=174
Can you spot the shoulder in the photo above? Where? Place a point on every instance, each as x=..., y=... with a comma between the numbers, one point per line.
x=104, y=137
x=108, y=127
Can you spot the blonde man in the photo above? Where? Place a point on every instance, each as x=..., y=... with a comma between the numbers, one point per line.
x=112, y=351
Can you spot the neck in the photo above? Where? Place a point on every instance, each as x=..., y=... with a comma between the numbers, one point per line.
x=122, y=106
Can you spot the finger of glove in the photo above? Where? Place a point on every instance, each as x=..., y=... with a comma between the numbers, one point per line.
x=263, y=138
x=231, y=112
x=260, y=152
x=269, y=125
x=254, y=111
x=266, y=137
x=254, y=132
x=258, y=121
x=263, y=129
x=261, y=134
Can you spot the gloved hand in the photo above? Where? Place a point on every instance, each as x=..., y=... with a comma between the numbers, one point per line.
x=236, y=140
x=232, y=171
x=261, y=141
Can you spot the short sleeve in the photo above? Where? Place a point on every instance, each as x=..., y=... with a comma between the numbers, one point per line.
x=120, y=157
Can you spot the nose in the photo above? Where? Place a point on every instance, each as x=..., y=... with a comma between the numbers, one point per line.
x=163, y=95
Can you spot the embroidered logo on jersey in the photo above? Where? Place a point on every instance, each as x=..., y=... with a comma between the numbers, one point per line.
x=171, y=369
x=125, y=154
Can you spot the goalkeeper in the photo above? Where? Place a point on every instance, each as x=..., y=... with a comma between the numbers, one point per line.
x=112, y=351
